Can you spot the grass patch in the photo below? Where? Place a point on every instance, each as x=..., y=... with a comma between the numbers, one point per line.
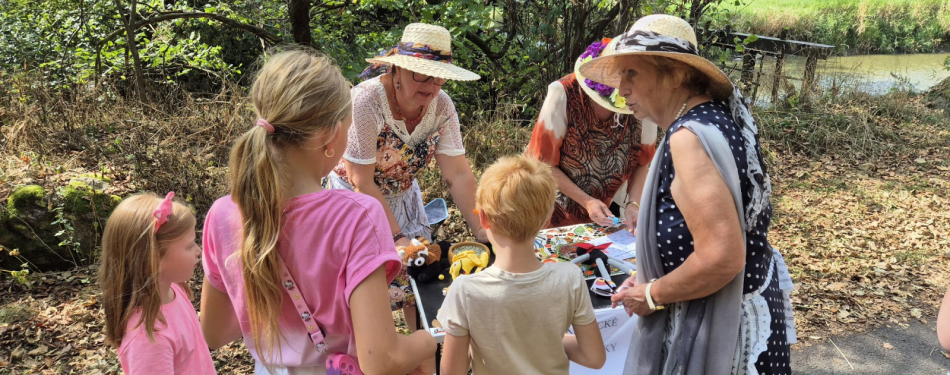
x=862, y=26
x=15, y=313
x=851, y=123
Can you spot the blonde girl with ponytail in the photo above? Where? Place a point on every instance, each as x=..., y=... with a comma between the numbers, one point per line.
x=148, y=255
x=336, y=244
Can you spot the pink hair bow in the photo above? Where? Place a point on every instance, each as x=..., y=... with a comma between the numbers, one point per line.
x=163, y=211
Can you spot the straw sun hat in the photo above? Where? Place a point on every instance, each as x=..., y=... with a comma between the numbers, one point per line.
x=426, y=49
x=657, y=35
x=610, y=101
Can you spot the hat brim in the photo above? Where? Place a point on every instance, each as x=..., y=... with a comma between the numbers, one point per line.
x=604, y=69
x=428, y=67
x=593, y=94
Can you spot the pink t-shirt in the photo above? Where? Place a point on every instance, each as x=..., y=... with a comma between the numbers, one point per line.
x=179, y=347
x=332, y=240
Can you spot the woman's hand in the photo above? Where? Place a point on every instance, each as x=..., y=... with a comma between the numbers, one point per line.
x=599, y=212
x=634, y=300
x=403, y=242
x=616, y=299
x=631, y=213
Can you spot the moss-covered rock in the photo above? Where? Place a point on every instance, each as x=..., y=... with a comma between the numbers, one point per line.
x=56, y=231
x=85, y=195
x=22, y=196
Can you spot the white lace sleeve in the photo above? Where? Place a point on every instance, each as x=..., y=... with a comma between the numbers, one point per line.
x=450, y=141
x=367, y=123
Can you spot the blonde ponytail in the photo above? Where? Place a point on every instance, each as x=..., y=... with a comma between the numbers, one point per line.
x=302, y=95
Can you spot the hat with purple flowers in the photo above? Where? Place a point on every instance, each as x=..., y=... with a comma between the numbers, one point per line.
x=606, y=96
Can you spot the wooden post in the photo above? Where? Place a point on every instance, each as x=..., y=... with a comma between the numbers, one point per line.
x=748, y=70
x=777, y=76
x=811, y=65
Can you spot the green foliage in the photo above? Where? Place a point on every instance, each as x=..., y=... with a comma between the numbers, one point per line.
x=62, y=39
x=518, y=47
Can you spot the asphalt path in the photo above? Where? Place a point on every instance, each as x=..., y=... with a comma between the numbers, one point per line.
x=884, y=350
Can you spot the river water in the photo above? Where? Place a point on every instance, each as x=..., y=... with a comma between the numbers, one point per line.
x=875, y=74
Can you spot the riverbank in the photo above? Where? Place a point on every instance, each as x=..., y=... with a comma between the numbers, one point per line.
x=862, y=209
x=854, y=26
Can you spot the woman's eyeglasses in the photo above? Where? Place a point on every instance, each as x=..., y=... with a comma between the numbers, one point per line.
x=419, y=77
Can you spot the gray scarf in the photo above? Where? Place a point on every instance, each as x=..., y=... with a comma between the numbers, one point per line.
x=707, y=332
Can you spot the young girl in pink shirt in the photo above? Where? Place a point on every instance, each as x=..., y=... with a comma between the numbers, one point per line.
x=336, y=245
x=148, y=255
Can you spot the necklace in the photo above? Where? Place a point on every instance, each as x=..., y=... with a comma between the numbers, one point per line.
x=399, y=112
x=683, y=108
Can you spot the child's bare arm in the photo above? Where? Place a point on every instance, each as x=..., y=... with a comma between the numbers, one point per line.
x=943, y=322
x=586, y=347
x=381, y=349
x=219, y=324
x=455, y=360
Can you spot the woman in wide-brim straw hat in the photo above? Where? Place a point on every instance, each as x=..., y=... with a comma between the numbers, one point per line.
x=708, y=287
x=401, y=120
x=589, y=137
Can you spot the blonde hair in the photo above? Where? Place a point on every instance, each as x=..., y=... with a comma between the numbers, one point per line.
x=516, y=194
x=303, y=95
x=131, y=253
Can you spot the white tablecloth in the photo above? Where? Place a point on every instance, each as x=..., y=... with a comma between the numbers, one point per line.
x=617, y=330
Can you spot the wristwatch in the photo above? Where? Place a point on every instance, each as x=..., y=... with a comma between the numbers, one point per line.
x=650, y=303
x=398, y=236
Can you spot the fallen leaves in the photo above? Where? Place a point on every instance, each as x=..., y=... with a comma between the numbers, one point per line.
x=864, y=242
x=64, y=334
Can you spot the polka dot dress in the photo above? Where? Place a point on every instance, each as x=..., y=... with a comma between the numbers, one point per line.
x=675, y=242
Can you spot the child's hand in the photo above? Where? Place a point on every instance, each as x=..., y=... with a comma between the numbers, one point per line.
x=427, y=367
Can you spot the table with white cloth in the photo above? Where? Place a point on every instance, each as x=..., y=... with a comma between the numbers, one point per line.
x=615, y=326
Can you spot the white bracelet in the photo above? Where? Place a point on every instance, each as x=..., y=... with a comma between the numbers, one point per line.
x=649, y=296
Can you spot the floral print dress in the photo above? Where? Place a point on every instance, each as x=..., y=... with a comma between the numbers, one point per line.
x=376, y=138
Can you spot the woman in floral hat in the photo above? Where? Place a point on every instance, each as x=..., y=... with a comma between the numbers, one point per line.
x=593, y=144
x=402, y=120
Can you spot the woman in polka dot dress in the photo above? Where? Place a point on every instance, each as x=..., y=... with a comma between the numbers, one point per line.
x=708, y=282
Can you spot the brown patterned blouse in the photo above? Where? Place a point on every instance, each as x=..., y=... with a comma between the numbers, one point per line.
x=598, y=156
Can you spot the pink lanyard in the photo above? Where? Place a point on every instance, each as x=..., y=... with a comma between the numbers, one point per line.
x=317, y=336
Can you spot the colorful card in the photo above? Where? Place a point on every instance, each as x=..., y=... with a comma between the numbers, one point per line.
x=558, y=244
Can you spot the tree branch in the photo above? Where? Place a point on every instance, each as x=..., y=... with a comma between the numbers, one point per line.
x=483, y=45
x=267, y=36
x=601, y=26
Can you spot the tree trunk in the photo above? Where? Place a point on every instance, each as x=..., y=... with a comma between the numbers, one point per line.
x=131, y=48
x=576, y=35
x=300, y=21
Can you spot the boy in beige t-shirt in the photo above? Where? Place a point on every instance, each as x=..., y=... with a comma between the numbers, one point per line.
x=514, y=314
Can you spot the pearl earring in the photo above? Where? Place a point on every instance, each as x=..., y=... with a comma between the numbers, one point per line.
x=398, y=86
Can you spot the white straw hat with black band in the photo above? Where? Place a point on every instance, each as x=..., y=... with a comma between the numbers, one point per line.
x=425, y=49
